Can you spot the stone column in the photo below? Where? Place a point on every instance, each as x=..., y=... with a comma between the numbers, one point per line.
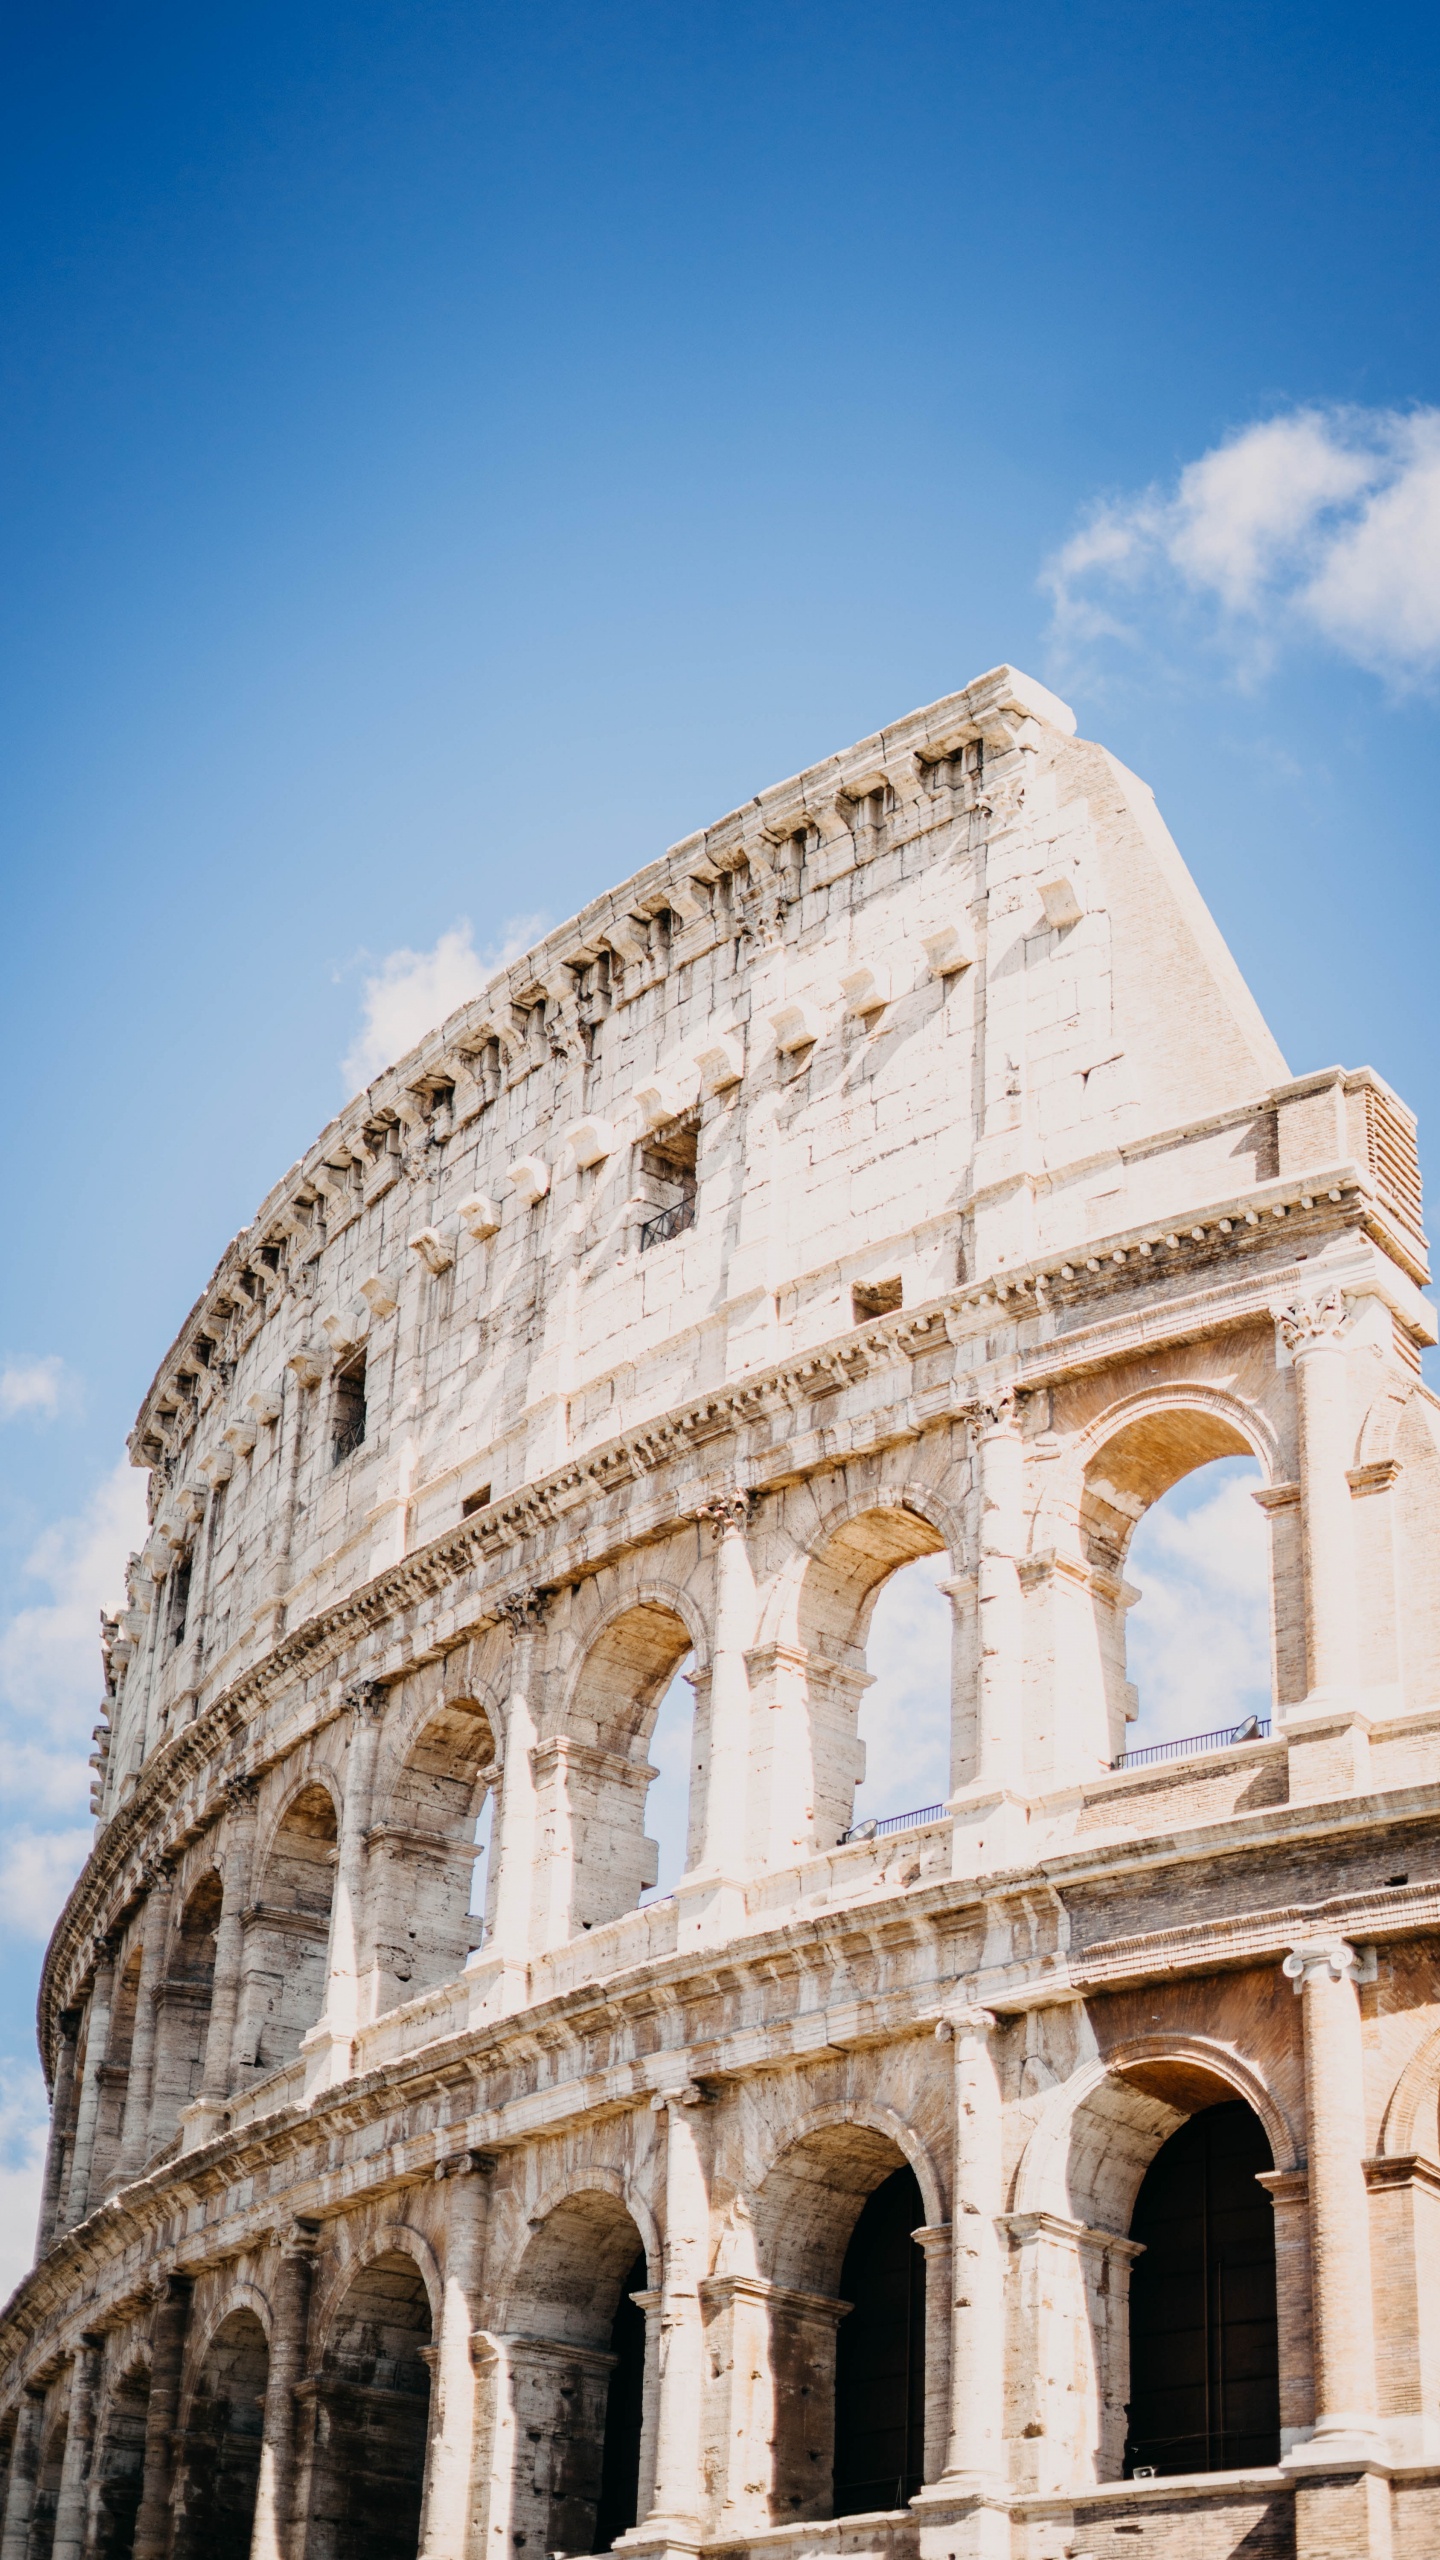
x=330, y=2045
x=1000, y=1739
x=201, y=2118
x=732, y=1636
x=976, y=2451
x=1323, y=1972
x=1313, y=1330
x=97, y=2040
x=676, y=2505
x=274, y=2535
x=24, y=2472
x=513, y=1843
x=649, y=2302
x=57, y=2147
x=72, y=2505
x=135, y=2134
x=167, y=2356
x=445, y=2529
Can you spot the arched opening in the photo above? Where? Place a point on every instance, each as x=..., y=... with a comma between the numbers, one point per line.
x=1200, y=1642
x=880, y=2354
x=1204, y=2358
x=577, y=2379
x=1197, y=1641
x=905, y=1714
x=672, y=1803
x=839, y=1602
x=120, y=2467
x=185, y=2009
x=287, y=1933
x=221, y=2468
x=372, y=2418
x=845, y=2412
x=423, y=1853
x=592, y=1781
x=47, y=2493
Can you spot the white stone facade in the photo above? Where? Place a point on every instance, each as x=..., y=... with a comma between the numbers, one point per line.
x=899, y=1167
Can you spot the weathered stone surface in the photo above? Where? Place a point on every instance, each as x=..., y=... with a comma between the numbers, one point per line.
x=898, y=1167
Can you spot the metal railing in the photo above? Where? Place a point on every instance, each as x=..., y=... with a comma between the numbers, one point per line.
x=671, y=1222
x=1252, y=1729
x=881, y=1830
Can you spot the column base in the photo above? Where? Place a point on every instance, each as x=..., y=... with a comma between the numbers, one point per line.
x=661, y=2534
x=709, y=1910
x=1344, y=2444
x=963, y=2516
x=329, y=2054
x=496, y=1985
x=989, y=1828
x=201, y=2121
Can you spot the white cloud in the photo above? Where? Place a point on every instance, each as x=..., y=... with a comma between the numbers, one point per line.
x=905, y=1715
x=34, y=1386
x=37, y=1869
x=1323, y=523
x=50, y=1647
x=23, y=2120
x=411, y=991
x=1198, y=1642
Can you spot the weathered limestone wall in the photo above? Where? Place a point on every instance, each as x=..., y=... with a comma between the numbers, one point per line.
x=898, y=1169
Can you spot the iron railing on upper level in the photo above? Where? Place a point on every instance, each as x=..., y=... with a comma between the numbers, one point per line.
x=1252, y=1729
x=875, y=1829
x=671, y=1222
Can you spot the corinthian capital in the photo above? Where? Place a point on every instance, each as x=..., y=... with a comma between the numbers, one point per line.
x=1320, y=1960
x=365, y=1698
x=1310, y=1320
x=998, y=1409
x=728, y=1510
x=522, y=1610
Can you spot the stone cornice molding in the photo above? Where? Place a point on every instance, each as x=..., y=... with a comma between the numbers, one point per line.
x=550, y=1504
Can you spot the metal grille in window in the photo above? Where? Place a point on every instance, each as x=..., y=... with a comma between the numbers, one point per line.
x=671, y=1222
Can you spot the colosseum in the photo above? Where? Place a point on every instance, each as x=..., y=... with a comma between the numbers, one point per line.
x=898, y=1168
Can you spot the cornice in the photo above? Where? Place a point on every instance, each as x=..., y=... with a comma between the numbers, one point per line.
x=1036, y=1296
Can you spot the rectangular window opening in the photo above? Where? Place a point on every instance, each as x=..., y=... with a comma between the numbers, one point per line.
x=669, y=1158
x=180, y=1601
x=876, y=1298
x=474, y=1502
x=348, y=1413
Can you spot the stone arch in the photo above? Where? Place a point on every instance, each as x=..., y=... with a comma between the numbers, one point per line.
x=47, y=2482
x=367, y=2478
x=118, y=2472
x=596, y=2177
x=811, y=2206
x=883, y=2122
x=355, y=2252
x=1412, y=2111
x=1099, y=2129
x=1074, y=2198
x=219, y=2470
x=287, y=1927
x=239, y=2295
x=421, y=1852
x=184, y=2012
x=1126, y=1459
x=592, y=1776
x=577, y=2368
x=110, y=2119
x=814, y=1626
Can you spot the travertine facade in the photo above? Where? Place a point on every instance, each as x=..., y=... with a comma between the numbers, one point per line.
x=900, y=1166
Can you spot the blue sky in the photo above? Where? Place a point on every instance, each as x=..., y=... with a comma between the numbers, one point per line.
x=451, y=452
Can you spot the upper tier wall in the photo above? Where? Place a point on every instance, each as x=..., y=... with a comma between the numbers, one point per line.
x=946, y=1003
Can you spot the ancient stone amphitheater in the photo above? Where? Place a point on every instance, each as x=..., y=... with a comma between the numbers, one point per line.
x=897, y=1168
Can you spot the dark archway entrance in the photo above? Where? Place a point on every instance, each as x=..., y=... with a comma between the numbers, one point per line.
x=880, y=2354
x=1204, y=2361
x=122, y=2465
x=372, y=2419
x=624, y=2412
x=222, y=2444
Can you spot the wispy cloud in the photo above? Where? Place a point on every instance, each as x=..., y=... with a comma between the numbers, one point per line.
x=1321, y=524
x=905, y=1715
x=43, y=1387
x=411, y=991
x=1198, y=1642
x=49, y=1651
x=23, y=2119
